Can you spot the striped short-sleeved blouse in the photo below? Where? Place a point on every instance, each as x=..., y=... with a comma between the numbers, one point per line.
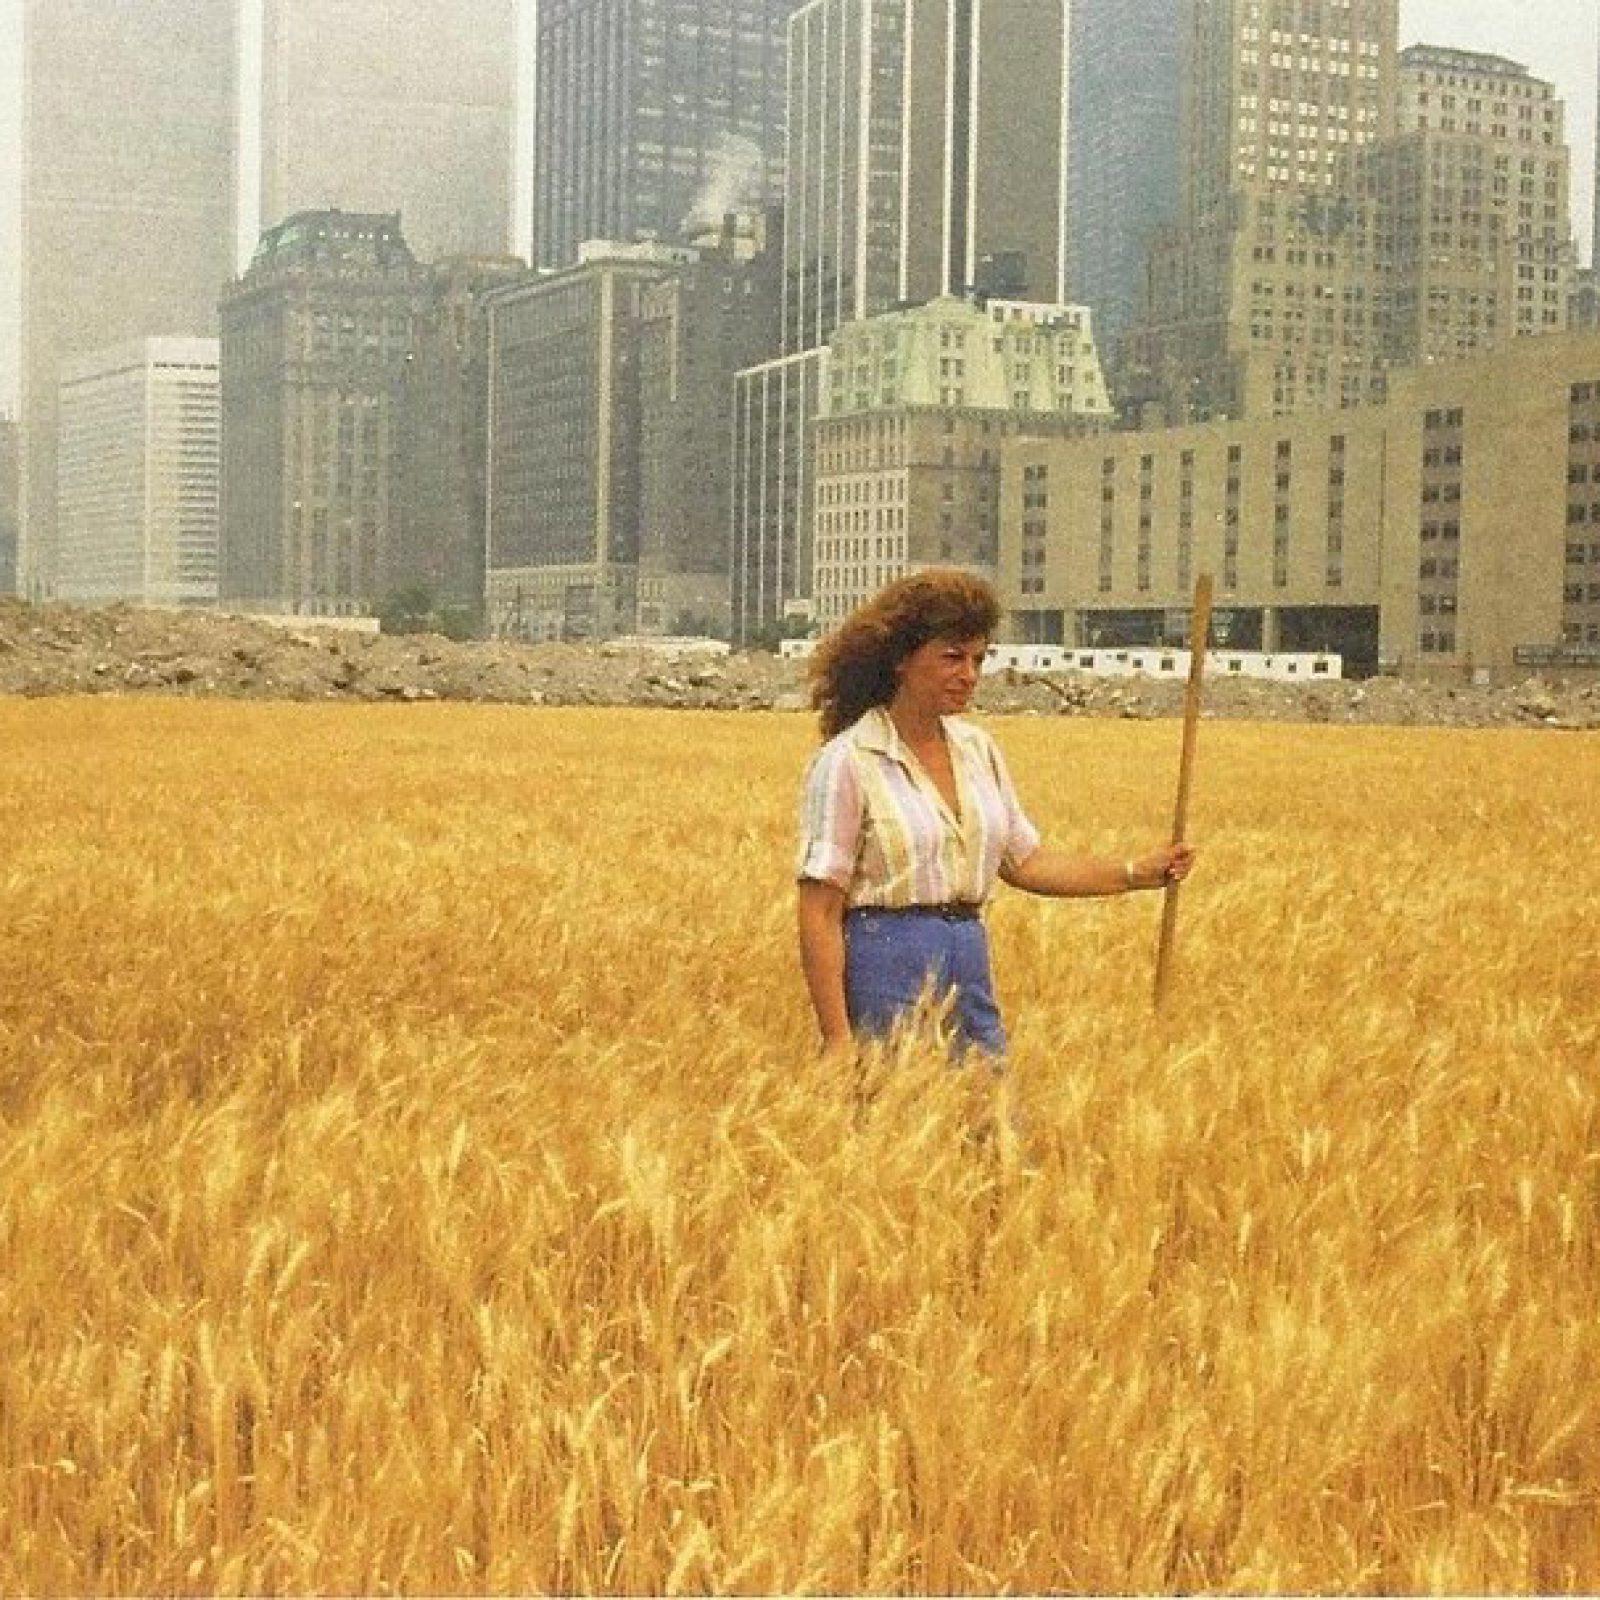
x=874, y=823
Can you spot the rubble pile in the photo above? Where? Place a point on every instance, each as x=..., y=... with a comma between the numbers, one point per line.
x=64, y=650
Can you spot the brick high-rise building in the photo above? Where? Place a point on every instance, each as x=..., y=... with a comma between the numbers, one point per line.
x=314, y=337
x=652, y=117
x=128, y=175
x=401, y=106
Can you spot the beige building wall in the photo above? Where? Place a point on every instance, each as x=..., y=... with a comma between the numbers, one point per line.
x=314, y=337
x=1452, y=530
x=1475, y=190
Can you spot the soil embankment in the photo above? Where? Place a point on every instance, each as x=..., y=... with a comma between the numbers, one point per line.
x=58, y=650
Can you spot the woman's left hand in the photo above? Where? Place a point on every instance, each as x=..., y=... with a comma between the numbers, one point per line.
x=1170, y=864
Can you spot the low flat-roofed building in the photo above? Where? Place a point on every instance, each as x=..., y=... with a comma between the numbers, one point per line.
x=1453, y=529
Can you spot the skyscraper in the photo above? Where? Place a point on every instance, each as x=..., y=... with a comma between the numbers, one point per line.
x=138, y=474
x=926, y=157
x=314, y=337
x=392, y=106
x=441, y=430
x=1123, y=166
x=652, y=114
x=128, y=200
x=1260, y=298
x=610, y=386
x=927, y=141
x=1476, y=194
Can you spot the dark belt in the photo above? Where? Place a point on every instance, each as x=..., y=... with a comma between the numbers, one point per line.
x=951, y=911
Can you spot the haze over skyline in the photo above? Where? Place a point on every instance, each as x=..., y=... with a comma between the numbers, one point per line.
x=1556, y=41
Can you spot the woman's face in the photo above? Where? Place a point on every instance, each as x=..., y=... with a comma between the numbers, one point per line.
x=941, y=676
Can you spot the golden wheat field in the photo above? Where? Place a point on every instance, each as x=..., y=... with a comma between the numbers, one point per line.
x=416, y=1173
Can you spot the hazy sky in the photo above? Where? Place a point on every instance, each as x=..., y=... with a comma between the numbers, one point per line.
x=1556, y=38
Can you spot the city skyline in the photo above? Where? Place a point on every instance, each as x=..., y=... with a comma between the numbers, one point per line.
x=1556, y=42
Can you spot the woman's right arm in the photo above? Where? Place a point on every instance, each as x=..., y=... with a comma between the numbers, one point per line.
x=821, y=915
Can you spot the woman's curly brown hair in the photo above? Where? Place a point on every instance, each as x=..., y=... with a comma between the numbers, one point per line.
x=852, y=669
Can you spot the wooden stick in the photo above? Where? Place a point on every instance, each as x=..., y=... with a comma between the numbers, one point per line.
x=1199, y=635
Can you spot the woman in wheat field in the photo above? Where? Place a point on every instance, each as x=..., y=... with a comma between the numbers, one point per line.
x=909, y=816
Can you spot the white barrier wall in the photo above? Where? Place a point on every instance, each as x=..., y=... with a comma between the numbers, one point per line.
x=1149, y=661
x=1153, y=662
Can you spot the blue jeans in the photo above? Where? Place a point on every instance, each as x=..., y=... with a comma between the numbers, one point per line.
x=890, y=959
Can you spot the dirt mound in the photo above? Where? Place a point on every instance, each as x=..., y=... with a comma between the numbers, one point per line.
x=58, y=649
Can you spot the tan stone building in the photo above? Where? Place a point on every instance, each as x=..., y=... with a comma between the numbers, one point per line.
x=1347, y=209
x=1473, y=193
x=1259, y=299
x=314, y=337
x=913, y=418
x=1453, y=529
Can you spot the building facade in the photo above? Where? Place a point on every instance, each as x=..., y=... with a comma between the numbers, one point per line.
x=1474, y=191
x=906, y=119
x=379, y=106
x=912, y=426
x=441, y=438
x=904, y=183
x=127, y=213
x=137, y=478
x=698, y=329
x=1260, y=300
x=1382, y=532
x=775, y=494
x=653, y=118
x=1122, y=181
x=10, y=501
x=314, y=337
x=563, y=490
